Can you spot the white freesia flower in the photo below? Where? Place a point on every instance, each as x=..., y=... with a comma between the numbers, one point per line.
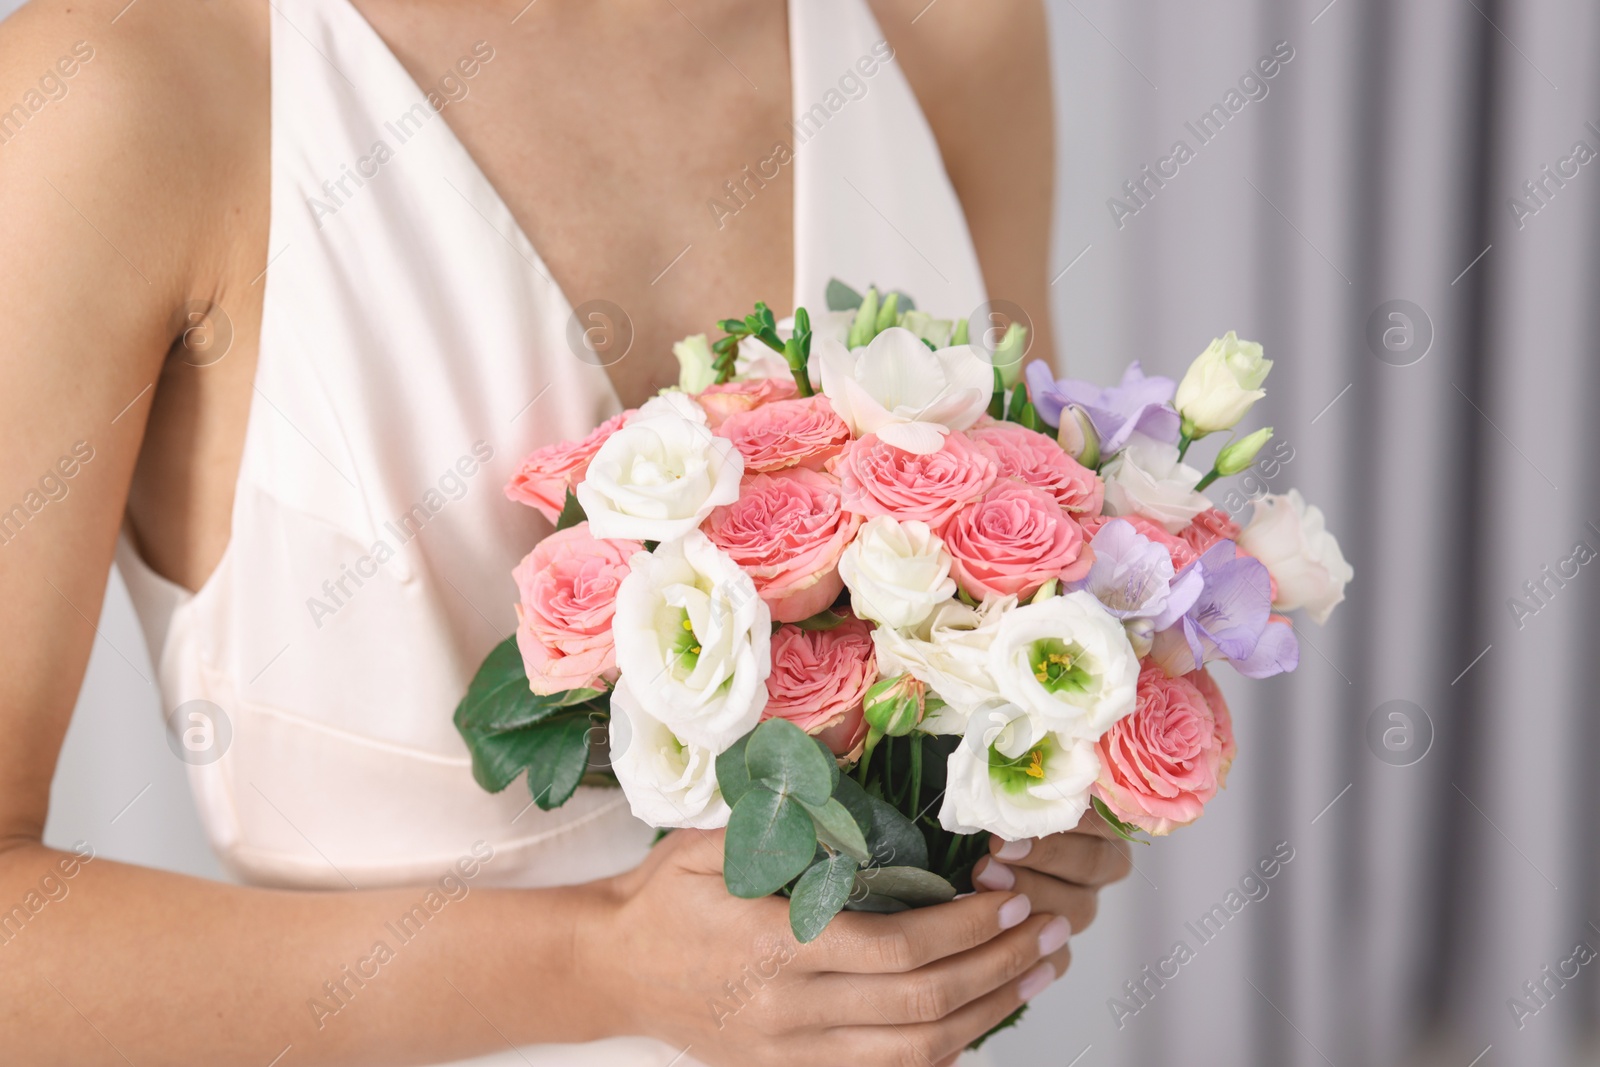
x=1221, y=385
x=667, y=782
x=695, y=371
x=1067, y=661
x=692, y=640
x=660, y=475
x=896, y=388
x=949, y=653
x=1015, y=779
x=897, y=572
x=1147, y=478
x=1292, y=539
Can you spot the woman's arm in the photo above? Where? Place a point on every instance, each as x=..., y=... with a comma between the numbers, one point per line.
x=124, y=191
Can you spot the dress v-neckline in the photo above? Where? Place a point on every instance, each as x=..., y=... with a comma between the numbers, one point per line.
x=474, y=172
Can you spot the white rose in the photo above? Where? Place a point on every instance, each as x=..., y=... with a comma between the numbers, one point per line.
x=667, y=782
x=1221, y=385
x=1147, y=478
x=896, y=388
x=949, y=653
x=1067, y=661
x=1012, y=778
x=692, y=640
x=659, y=476
x=1301, y=555
x=897, y=572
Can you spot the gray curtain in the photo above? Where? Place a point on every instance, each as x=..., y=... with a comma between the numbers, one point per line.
x=1452, y=733
x=1441, y=859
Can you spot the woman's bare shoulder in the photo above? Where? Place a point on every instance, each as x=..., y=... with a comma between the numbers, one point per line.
x=150, y=118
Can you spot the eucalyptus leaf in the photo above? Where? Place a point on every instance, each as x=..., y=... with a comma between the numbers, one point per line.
x=860, y=901
x=733, y=778
x=837, y=829
x=770, y=840
x=781, y=757
x=910, y=885
x=841, y=297
x=1126, y=831
x=848, y=792
x=892, y=838
x=820, y=895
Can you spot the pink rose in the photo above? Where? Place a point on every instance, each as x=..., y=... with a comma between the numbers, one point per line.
x=787, y=530
x=818, y=680
x=1013, y=541
x=547, y=473
x=880, y=479
x=1037, y=460
x=1161, y=764
x=730, y=398
x=1180, y=550
x=787, y=433
x=568, y=586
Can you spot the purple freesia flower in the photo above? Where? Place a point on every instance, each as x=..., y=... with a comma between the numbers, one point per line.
x=1231, y=619
x=1139, y=403
x=1132, y=577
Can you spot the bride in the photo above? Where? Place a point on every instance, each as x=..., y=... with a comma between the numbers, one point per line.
x=289, y=288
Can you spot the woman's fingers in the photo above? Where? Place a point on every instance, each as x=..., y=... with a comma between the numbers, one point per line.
x=1077, y=903
x=944, y=986
x=858, y=942
x=1080, y=856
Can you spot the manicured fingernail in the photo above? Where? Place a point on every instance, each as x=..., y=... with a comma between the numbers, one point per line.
x=1036, y=981
x=1014, y=911
x=1014, y=850
x=1054, y=935
x=995, y=876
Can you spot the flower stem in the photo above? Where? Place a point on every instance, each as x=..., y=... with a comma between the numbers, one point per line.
x=1210, y=477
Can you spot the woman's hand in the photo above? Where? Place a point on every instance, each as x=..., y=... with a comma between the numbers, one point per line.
x=671, y=954
x=1061, y=873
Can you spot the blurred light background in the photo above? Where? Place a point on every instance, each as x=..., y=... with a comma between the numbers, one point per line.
x=1367, y=213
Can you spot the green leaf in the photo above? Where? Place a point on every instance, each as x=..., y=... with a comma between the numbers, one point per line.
x=571, y=512
x=558, y=760
x=909, y=885
x=823, y=620
x=498, y=698
x=733, y=777
x=837, y=829
x=892, y=838
x=819, y=895
x=841, y=297
x=1009, y=1021
x=781, y=757
x=1126, y=831
x=770, y=840
x=498, y=758
x=855, y=800
x=1019, y=400
x=860, y=901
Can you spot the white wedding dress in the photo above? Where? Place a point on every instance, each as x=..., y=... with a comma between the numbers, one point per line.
x=413, y=348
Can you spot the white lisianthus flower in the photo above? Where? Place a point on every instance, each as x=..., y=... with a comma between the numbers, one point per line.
x=1067, y=661
x=1015, y=779
x=1147, y=478
x=1221, y=385
x=695, y=371
x=1292, y=539
x=692, y=640
x=949, y=653
x=897, y=572
x=896, y=388
x=660, y=475
x=667, y=782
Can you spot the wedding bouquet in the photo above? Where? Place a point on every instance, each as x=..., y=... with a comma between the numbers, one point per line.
x=861, y=594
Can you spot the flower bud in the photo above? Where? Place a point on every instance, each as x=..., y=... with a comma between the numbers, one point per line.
x=695, y=363
x=894, y=706
x=864, y=328
x=1221, y=385
x=1078, y=437
x=1008, y=354
x=937, y=332
x=1237, y=455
